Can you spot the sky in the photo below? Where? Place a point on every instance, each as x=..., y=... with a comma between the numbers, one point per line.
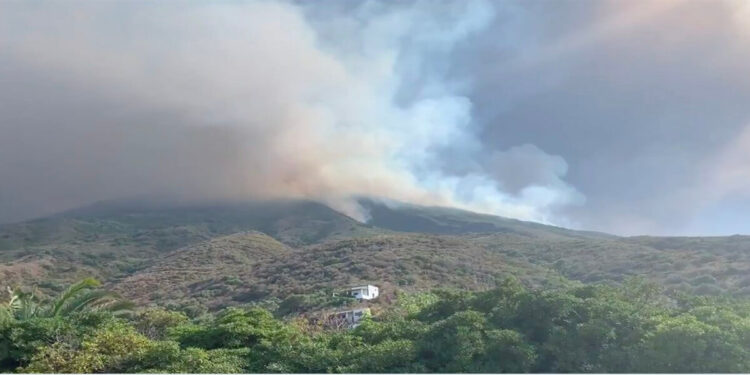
x=629, y=117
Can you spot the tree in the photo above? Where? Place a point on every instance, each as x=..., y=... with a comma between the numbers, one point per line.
x=506, y=351
x=235, y=328
x=684, y=344
x=156, y=323
x=386, y=356
x=455, y=343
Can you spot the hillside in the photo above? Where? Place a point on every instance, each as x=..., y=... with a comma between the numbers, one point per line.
x=215, y=255
x=252, y=267
x=111, y=240
x=205, y=271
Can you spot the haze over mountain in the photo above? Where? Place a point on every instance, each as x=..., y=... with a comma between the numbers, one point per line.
x=623, y=117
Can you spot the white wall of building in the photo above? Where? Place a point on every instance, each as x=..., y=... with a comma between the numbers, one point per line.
x=365, y=292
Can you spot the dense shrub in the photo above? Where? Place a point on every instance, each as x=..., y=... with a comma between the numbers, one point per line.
x=631, y=328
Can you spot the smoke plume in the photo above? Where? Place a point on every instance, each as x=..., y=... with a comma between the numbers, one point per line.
x=214, y=100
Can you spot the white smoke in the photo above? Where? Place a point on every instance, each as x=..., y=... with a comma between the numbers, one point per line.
x=353, y=104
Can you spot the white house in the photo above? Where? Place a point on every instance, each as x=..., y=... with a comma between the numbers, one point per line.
x=364, y=292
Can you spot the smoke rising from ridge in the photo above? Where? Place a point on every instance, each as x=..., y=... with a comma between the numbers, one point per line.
x=252, y=100
x=627, y=117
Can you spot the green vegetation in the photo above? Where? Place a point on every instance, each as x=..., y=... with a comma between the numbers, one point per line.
x=241, y=288
x=509, y=328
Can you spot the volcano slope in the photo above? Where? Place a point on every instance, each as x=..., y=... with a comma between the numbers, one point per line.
x=214, y=255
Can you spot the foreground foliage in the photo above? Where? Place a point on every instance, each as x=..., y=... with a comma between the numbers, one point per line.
x=632, y=328
x=81, y=296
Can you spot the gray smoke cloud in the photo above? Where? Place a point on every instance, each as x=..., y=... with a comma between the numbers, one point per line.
x=643, y=99
x=628, y=117
x=247, y=100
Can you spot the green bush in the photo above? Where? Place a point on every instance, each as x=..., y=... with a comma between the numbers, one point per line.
x=578, y=328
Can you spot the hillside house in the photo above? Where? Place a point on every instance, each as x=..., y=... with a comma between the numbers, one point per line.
x=364, y=292
x=346, y=319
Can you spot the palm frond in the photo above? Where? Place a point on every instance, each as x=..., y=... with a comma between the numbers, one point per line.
x=13, y=303
x=81, y=296
x=73, y=290
x=94, y=300
x=89, y=299
x=24, y=305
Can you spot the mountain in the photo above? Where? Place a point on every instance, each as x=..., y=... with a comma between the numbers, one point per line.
x=170, y=226
x=114, y=239
x=220, y=254
x=405, y=217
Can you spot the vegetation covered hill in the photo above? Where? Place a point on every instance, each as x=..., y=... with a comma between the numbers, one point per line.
x=112, y=240
x=227, y=254
x=244, y=268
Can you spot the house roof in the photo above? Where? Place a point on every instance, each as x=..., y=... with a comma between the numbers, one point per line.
x=363, y=286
